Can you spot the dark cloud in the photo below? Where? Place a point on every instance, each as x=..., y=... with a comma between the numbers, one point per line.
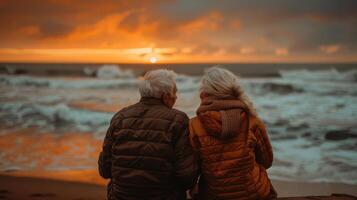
x=205, y=48
x=131, y=22
x=206, y=26
x=343, y=34
x=61, y=15
x=54, y=29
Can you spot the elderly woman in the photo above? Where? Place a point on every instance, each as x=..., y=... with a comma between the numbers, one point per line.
x=146, y=151
x=231, y=141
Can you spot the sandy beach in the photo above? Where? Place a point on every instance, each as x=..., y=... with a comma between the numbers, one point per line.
x=87, y=184
x=19, y=188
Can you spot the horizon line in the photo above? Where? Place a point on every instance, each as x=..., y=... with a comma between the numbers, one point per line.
x=168, y=63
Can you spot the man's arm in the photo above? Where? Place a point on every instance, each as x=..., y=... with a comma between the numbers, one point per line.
x=105, y=157
x=186, y=166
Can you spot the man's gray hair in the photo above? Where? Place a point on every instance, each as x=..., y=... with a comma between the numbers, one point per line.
x=155, y=83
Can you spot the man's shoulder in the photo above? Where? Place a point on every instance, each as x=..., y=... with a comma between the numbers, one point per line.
x=171, y=114
x=128, y=109
x=119, y=115
x=180, y=115
x=160, y=112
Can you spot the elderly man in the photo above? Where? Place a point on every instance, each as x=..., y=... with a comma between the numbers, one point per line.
x=146, y=151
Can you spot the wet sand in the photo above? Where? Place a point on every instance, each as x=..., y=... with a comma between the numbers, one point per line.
x=299, y=189
x=19, y=188
x=88, y=185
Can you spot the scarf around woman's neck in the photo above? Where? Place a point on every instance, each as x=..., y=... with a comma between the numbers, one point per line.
x=230, y=110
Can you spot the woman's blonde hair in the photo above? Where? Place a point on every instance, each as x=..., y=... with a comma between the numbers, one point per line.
x=223, y=84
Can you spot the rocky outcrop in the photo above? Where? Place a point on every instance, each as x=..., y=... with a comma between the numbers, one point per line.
x=339, y=135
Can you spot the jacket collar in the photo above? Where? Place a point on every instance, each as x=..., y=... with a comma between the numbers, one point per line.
x=152, y=101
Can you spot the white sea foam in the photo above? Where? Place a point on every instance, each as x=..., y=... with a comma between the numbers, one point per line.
x=113, y=71
x=320, y=75
x=284, y=86
x=89, y=71
x=187, y=83
x=23, y=114
x=64, y=82
x=302, y=160
x=184, y=83
x=298, y=113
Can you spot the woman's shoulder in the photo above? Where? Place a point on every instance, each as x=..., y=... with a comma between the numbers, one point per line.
x=194, y=121
x=196, y=126
x=256, y=122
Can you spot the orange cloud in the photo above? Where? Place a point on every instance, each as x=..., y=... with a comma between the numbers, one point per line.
x=330, y=49
x=209, y=22
x=247, y=50
x=175, y=31
x=281, y=51
x=236, y=24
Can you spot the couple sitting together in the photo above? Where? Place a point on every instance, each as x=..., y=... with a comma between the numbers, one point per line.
x=152, y=151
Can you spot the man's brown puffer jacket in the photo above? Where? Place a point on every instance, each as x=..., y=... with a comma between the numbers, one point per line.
x=147, y=153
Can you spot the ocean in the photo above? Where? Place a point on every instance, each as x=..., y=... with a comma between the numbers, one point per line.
x=55, y=118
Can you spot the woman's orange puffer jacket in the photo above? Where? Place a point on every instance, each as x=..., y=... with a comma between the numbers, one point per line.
x=234, y=155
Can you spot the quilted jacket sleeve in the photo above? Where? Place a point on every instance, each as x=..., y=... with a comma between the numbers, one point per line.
x=105, y=157
x=263, y=150
x=194, y=141
x=186, y=166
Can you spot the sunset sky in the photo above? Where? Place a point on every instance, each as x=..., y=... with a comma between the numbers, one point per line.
x=184, y=31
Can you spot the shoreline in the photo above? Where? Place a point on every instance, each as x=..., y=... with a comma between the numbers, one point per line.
x=248, y=70
x=86, y=184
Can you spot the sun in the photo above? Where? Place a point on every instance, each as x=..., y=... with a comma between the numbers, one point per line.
x=153, y=59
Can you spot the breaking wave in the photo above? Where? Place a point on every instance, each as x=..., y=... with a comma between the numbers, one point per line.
x=319, y=75
x=184, y=83
x=310, y=115
x=57, y=116
x=64, y=82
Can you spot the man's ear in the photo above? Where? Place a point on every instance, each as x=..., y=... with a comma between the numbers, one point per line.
x=203, y=95
x=164, y=97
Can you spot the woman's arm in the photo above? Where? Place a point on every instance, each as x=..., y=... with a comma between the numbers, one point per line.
x=263, y=149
